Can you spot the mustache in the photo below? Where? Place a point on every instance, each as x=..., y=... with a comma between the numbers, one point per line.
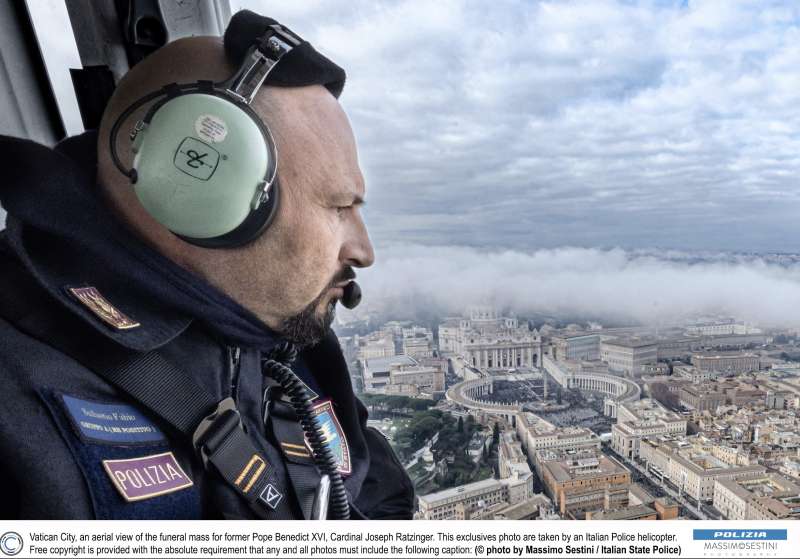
x=346, y=274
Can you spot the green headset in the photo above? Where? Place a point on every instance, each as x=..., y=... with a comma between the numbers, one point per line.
x=205, y=164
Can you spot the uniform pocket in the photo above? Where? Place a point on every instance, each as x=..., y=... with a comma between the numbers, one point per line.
x=132, y=470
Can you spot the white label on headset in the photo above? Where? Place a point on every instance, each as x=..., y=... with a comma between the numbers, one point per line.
x=211, y=128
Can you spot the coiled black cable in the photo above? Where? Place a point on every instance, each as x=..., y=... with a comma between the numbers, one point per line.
x=276, y=366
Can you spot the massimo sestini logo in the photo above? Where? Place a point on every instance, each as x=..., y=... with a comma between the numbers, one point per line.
x=742, y=543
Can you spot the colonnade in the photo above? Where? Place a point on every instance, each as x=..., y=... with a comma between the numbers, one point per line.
x=503, y=357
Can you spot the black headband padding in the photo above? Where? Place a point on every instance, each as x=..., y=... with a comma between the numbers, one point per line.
x=302, y=66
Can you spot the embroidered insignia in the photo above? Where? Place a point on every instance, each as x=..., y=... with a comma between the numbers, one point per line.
x=111, y=423
x=333, y=435
x=250, y=473
x=295, y=450
x=271, y=496
x=105, y=311
x=146, y=477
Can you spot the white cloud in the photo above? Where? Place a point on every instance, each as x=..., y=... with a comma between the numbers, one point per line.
x=611, y=284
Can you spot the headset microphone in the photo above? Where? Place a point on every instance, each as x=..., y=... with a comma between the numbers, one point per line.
x=352, y=295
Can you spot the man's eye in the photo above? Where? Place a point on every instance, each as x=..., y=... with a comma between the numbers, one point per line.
x=341, y=209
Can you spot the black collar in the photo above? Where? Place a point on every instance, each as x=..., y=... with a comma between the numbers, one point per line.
x=60, y=228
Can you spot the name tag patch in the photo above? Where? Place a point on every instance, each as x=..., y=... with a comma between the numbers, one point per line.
x=149, y=476
x=111, y=423
x=333, y=435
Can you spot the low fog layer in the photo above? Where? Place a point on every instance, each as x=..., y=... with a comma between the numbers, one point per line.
x=618, y=285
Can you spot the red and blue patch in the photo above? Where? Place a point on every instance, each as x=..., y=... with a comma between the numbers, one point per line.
x=333, y=435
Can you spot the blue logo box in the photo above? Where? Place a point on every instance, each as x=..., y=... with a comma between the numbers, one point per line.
x=740, y=535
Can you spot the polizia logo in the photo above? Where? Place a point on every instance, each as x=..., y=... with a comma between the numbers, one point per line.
x=749, y=535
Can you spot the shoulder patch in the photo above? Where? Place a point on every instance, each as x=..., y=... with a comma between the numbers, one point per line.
x=116, y=423
x=91, y=298
x=334, y=435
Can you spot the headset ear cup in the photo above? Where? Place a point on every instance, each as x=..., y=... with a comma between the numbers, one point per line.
x=201, y=162
x=252, y=228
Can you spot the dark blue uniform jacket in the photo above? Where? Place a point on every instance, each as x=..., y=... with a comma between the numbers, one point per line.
x=65, y=432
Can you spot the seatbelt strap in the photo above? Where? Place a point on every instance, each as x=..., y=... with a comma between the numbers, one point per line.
x=281, y=420
x=215, y=429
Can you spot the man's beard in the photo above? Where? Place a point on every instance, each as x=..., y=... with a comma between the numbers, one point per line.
x=307, y=328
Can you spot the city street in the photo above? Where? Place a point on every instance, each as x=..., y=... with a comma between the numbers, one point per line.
x=665, y=487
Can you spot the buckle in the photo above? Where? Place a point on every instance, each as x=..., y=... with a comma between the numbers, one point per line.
x=215, y=428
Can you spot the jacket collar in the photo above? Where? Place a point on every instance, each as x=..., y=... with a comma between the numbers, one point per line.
x=64, y=234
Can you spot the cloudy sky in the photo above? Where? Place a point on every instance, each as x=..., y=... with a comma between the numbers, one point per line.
x=527, y=125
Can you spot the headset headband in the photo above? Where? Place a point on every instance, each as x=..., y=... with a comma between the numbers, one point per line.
x=303, y=66
x=259, y=62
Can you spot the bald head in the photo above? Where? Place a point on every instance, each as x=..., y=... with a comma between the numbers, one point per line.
x=286, y=269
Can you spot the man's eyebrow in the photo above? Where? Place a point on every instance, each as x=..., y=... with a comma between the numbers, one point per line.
x=347, y=199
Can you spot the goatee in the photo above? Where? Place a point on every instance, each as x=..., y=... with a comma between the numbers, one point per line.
x=307, y=328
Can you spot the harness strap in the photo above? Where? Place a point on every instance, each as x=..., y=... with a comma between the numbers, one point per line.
x=281, y=419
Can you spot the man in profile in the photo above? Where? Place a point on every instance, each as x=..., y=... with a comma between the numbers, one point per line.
x=116, y=334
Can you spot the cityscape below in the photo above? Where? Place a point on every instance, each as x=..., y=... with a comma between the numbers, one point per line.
x=499, y=417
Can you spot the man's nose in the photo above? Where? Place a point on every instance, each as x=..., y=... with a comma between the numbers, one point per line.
x=358, y=251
